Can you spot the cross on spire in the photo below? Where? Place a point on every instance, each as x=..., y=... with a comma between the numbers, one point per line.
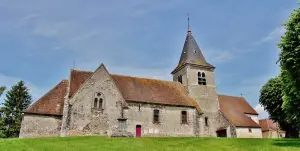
x=189, y=29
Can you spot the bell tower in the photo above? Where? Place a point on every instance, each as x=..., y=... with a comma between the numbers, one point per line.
x=197, y=76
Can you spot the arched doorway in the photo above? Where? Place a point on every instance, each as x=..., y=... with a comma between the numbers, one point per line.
x=138, y=131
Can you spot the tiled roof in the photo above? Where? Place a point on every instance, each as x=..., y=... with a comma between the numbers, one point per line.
x=235, y=110
x=153, y=91
x=268, y=124
x=77, y=78
x=52, y=102
x=132, y=89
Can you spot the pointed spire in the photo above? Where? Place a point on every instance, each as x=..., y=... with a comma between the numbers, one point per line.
x=191, y=53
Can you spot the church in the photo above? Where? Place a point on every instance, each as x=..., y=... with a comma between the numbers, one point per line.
x=99, y=103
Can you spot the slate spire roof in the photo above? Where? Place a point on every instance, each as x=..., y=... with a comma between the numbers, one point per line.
x=191, y=53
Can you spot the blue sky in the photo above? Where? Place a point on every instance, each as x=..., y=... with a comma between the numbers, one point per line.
x=41, y=39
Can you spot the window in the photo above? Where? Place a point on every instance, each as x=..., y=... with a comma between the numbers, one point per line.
x=180, y=79
x=183, y=117
x=98, y=101
x=95, y=103
x=250, y=130
x=206, y=121
x=201, y=78
x=156, y=116
x=139, y=107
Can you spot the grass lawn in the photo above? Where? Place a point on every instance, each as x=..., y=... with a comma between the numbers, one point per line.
x=148, y=144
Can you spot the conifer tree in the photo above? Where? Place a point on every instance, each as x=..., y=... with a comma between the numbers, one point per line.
x=17, y=99
x=2, y=90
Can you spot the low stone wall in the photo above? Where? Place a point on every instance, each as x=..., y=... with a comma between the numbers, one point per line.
x=40, y=126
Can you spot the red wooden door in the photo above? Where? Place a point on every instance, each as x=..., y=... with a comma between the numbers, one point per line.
x=138, y=131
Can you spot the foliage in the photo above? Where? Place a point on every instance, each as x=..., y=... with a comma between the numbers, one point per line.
x=17, y=99
x=271, y=99
x=2, y=90
x=290, y=67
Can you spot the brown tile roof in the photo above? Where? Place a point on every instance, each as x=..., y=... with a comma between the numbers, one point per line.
x=235, y=108
x=52, y=102
x=141, y=89
x=77, y=78
x=268, y=124
x=153, y=91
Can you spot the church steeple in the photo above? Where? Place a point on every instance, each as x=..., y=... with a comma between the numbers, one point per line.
x=191, y=53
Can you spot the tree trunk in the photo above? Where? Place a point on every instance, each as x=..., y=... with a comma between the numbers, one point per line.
x=291, y=132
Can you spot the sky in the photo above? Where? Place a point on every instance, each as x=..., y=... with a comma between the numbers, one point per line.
x=41, y=40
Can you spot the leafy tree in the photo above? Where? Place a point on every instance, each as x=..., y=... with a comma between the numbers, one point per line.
x=290, y=67
x=17, y=99
x=271, y=99
x=2, y=90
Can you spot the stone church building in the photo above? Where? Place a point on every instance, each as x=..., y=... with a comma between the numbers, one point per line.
x=101, y=103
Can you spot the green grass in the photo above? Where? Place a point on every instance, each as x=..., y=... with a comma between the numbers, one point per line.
x=148, y=144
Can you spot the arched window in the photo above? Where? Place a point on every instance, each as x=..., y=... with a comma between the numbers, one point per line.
x=206, y=121
x=201, y=78
x=95, y=102
x=183, y=117
x=156, y=116
x=98, y=101
x=180, y=79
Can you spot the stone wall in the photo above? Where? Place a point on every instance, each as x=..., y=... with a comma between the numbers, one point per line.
x=169, y=117
x=243, y=132
x=86, y=120
x=40, y=126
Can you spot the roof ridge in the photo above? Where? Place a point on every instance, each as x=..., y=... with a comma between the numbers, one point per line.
x=80, y=70
x=145, y=78
x=231, y=96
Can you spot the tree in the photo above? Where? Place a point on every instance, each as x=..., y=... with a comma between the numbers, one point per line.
x=2, y=90
x=271, y=99
x=17, y=99
x=289, y=59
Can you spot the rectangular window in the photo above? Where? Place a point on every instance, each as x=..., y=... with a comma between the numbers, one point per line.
x=183, y=117
x=250, y=130
x=206, y=121
x=156, y=116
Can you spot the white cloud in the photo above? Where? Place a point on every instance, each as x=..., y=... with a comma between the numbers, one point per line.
x=9, y=81
x=223, y=57
x=261, y=111
x=272, y=36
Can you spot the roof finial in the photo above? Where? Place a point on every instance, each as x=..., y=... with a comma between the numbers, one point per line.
x=189, y=29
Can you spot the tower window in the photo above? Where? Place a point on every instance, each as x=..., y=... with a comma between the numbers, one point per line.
x=206, y=121
x=156, y=116
x=201, y=78
x=180, y=79
x=183, y=117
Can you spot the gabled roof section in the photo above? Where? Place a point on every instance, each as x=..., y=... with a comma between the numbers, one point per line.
x=235, y=110
x=142, y=90
x=52, y=102
x=191, y=54
x=154, y=91
x=77, y=78
x=268, y=124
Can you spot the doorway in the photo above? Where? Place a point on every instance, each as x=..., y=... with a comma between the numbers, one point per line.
x=222, y=133
x=138, y=131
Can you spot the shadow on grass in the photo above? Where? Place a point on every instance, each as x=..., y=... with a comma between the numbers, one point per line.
x=287, y=143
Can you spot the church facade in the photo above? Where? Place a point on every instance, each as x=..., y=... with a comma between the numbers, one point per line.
x=105, y=104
